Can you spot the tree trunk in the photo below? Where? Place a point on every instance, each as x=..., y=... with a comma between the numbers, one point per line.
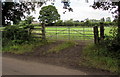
x=43, y=31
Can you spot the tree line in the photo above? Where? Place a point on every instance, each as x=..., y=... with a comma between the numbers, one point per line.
x=80, y=23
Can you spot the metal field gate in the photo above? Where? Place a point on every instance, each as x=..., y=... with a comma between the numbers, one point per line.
x=69, y=33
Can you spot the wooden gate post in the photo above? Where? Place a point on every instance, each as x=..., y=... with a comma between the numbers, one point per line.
x=101, y=31
x=96, y=36
x=43, y=31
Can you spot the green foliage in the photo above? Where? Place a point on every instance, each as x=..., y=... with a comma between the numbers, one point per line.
x=69, y=23
x=106, y=54
x=26, y=24
x=77, y=23
x=110, y=24
x=48, y=14
x=29, y=19
x=59, y=23
x=88, y=23
x=14, y=11
x=108, y=19
x=102, y=19
x=22, y=23
x=18, y=49
x=15, y=34
x=36, y=24
x=112, y=44
x=98, y=56
x=24, y=48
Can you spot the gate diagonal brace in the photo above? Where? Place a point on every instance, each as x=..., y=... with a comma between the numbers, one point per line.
x=82, y=33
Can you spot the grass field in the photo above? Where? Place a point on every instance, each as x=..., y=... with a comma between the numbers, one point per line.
x=71, y=33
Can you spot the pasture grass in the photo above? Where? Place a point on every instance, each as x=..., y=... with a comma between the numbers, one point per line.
x=68, y=33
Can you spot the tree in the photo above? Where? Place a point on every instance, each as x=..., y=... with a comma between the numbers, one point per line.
x=69, y=22
x=108, y=19
x=59, y=23
x=29, y=19
x=14, y=11
x=102, y=19
x=27, y=22
x=87, y=22
x=48, y=14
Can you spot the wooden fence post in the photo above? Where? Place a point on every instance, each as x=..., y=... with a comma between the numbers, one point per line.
x=101, y=31
x=96, y=35
x=43, y=31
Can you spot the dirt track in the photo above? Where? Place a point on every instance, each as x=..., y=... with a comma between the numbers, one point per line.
x=65, y=63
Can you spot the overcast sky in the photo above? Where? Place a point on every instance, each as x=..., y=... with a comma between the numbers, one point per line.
x=81, y=11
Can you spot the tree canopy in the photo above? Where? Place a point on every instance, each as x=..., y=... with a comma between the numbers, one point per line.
x=49, y=14
x=14, y=11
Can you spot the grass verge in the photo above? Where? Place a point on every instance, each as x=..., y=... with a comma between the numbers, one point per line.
x=23, y=48
x=60, y=47
x=94, y=57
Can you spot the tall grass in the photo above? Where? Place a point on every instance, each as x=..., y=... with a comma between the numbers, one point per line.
x=95, y=56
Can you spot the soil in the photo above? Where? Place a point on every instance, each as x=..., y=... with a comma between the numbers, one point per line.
x=69, y=58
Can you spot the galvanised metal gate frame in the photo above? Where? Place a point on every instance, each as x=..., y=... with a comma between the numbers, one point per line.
x=69, y=32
